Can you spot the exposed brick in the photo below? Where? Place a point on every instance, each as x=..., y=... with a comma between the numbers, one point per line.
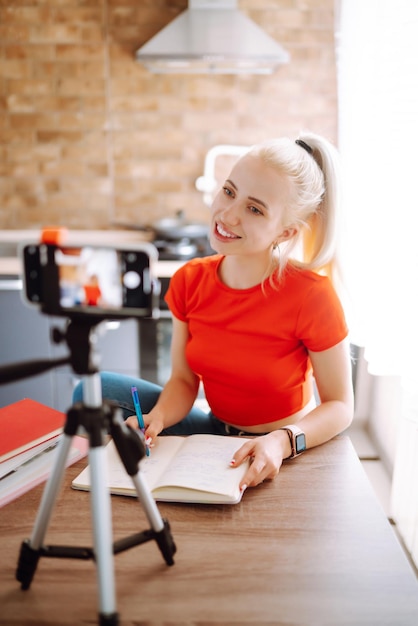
x=89, y=137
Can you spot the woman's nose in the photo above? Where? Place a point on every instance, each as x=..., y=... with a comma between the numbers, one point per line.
x=230, y=214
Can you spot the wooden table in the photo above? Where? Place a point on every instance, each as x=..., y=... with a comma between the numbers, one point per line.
x=311, y=548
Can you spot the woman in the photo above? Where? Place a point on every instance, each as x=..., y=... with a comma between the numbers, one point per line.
x=253, y=325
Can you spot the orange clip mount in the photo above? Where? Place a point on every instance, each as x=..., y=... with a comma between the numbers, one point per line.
x=53, y=235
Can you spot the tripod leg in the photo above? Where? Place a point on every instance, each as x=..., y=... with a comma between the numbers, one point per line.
x=102, y=526
x=131, y=450
x=94, y=418
x=163, y=535
x=30, y=549
x=148, y=502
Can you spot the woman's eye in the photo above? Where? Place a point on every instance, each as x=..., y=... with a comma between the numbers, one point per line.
x=227, y=191
x=255, y=210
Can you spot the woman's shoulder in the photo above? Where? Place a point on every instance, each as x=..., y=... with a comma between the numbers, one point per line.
x=199, y=265
x=195, y=277
x=309, y=289
x=295, y=276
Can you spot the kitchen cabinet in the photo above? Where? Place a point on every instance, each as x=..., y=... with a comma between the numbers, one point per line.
x=155, y=341
x=25, y=335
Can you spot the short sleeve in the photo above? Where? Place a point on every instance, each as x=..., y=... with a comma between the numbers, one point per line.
x=321, y=322
x=176, y=294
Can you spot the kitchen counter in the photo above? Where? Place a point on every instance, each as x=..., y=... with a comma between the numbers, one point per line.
x=14, y=237
x=11, y=239
x=10, y=267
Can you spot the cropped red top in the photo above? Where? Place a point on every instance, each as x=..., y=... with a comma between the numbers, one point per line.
x=250, y=346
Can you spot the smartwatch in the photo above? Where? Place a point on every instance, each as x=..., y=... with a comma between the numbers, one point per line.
x=297, y=440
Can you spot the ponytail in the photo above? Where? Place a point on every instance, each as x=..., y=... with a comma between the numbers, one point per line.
x=320, y=229
x=312, y=164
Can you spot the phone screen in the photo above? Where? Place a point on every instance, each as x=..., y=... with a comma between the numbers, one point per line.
x=91, y=277
x=94, y=280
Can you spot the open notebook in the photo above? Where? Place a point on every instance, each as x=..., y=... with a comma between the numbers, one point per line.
x=180, y=469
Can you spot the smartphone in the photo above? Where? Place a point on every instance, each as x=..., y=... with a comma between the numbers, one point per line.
x=90, y=280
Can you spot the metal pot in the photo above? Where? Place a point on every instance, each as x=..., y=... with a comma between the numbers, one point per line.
x=173, y=228
x=179, y=249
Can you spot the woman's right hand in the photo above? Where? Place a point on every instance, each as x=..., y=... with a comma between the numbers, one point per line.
x=132, y=421
x=153, y=426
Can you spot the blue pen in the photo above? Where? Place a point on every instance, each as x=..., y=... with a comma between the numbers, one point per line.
x=138, y=413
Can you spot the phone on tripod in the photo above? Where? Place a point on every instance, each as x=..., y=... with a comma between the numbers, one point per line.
x=99, y=281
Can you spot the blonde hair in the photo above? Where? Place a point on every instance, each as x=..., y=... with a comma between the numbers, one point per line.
x=313, y=171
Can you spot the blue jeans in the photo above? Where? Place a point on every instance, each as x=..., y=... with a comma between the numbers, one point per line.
x=117, y=388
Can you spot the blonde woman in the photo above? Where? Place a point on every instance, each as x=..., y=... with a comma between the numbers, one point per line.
x=252, y=323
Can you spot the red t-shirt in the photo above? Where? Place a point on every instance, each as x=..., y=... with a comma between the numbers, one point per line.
x=250, y=346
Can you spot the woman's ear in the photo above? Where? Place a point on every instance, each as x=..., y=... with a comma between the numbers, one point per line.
x=287, y=234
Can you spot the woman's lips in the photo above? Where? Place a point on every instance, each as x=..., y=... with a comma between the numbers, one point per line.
x=223, y=233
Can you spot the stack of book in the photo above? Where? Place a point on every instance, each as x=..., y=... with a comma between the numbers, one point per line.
x=29, y=436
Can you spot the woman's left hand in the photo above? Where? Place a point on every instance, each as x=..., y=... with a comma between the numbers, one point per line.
x=267, y=453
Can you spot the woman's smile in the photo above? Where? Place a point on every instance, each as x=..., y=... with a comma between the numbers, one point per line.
x=222, y=233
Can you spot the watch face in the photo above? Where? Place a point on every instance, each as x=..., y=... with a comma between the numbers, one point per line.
x=300, y=443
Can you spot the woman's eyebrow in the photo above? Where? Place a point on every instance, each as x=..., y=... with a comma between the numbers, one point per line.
x=228, y=180
x=252, y=198
x=263, y=204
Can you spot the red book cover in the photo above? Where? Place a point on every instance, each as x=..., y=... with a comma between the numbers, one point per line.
x=25, y=424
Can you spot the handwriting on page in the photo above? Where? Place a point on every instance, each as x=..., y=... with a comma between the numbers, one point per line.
x=151, y=466
x=205, y=467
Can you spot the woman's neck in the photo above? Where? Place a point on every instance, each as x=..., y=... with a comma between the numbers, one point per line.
x=239, y=272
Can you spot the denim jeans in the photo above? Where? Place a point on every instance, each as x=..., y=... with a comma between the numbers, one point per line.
x=117, y=388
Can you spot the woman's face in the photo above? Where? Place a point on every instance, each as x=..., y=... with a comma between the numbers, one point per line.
x=247, y=212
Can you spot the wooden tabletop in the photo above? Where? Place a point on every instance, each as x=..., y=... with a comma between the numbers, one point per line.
x=311, y=548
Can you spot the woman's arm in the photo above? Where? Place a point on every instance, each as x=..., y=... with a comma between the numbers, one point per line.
x=179, y=392
x=332, y=372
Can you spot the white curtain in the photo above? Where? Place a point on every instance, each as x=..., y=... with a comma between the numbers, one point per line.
x=378, y=103
x=377, y=52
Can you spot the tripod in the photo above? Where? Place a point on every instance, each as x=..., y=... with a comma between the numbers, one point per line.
x=97, y=418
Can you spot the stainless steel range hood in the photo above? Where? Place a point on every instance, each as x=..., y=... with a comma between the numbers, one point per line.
x=212, y=37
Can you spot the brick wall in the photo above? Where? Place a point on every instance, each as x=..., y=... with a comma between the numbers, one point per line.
x=90, y=138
